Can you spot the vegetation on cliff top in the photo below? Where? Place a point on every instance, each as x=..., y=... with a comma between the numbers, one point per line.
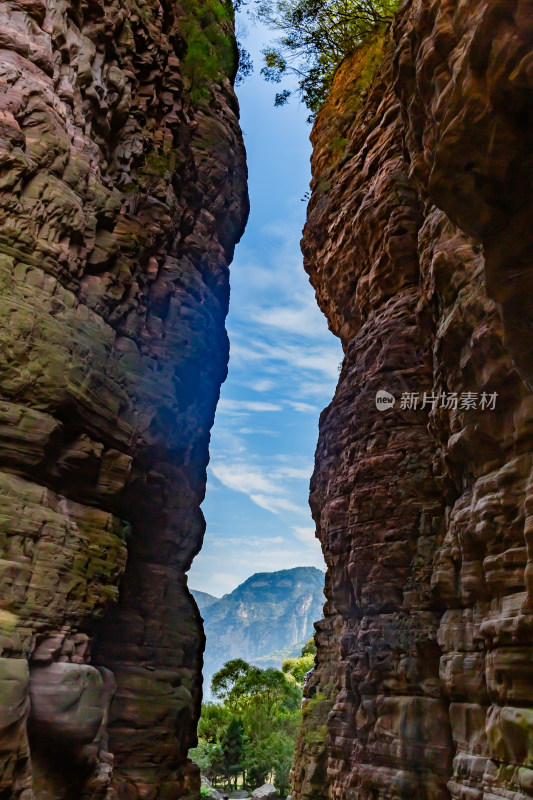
x=316, y=36
x=212, y=53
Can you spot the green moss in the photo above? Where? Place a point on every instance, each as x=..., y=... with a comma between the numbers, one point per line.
x=373, y=56
x=314, y=719
x=153, y=176
x=338, y=144
x=212, y=52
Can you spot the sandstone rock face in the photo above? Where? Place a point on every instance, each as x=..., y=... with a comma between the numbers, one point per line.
x=417, y=244
x=122, y=194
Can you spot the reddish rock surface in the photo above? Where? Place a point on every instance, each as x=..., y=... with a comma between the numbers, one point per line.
x=417, y=242
x=122, y=194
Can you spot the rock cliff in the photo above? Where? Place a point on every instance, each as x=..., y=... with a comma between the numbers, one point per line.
x=122, y=195
x=418, y=243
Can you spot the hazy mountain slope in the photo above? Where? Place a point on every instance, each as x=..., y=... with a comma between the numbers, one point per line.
x=203, y=599
x=270, y=611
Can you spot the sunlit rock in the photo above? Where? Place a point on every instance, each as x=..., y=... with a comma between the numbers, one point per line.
x=418, y=244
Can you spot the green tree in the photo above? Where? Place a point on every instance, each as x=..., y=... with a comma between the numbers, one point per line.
x=225, y=679
x=309, y=648
x=297, y=668
x=233, y=749
x=252, y=727
x=315, y=37
x=214, y=720
x=209, y=757
x=212, y=52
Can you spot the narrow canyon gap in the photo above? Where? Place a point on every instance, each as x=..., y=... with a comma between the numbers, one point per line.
x=123, y=193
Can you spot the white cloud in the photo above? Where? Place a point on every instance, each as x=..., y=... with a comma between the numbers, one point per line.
x=226, y=406
x=277, y=504
x=323, y=359
x=243, y=478
x=303, y=408
x=320, y=390
x=251, y=542
x=305, y=534
x=262, y=488
x=263, y=385
x=297, y=473
x=219, y=583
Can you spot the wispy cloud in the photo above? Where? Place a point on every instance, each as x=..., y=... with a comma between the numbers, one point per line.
x=305, y=534
x=315, y=389
x=303, y=408
x=226, y=406
x=283, y=370
x=262, y=385
x=251, y=541
x=243, y=478
x=295, y=473
x=277, y=504
x=263, y=488
x=300, y=319
x=311, y=358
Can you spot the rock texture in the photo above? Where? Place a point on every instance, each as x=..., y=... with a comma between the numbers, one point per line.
x=122, y=194
x=418, y=244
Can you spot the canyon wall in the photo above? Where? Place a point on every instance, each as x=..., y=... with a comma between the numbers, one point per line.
x=122, y=195
x=418, y=244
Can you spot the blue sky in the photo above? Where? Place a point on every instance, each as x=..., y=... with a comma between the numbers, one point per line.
x=283, y=361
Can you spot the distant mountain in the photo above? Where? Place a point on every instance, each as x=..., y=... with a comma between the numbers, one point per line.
x=263, y=620
x=203, y=599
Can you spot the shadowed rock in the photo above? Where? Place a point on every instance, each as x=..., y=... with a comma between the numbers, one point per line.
x=122, y=194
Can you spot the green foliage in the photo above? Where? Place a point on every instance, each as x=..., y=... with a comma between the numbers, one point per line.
x=338, y=144
x=205, y=793
x=225, y=679
x=233, y=748
x=252, y=728
x=297, y=668
x=315, y=717
x=212, y=52
x=315, y=37
x=246, y=66
x=209, y=757
x=309, y=648
x=214, y=719
x=154, y=174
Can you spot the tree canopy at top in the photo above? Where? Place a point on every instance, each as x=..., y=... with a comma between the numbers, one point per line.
x=315, y=37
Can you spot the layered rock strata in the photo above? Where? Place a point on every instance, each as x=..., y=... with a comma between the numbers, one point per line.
x=417, y=243
x=123, y=193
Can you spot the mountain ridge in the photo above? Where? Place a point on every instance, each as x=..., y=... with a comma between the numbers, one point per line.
x=267, y=613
